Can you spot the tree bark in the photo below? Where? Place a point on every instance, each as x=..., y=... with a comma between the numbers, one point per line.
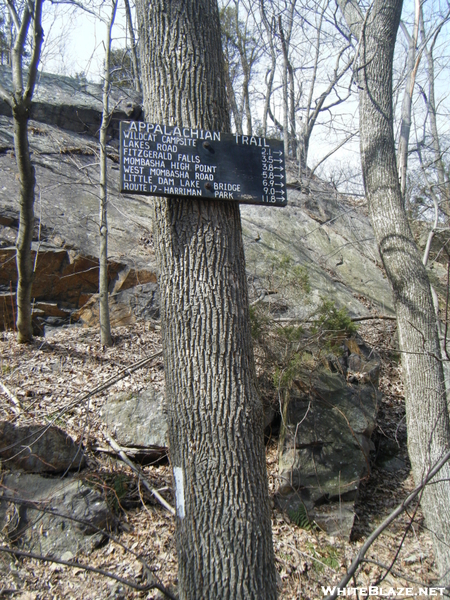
x=426, y=403
x=134, y=56
x=105, y=325
x=215, y=415
x=26, y=225
x=20, y=102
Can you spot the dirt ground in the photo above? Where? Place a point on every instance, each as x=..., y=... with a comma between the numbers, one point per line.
x=55, y=372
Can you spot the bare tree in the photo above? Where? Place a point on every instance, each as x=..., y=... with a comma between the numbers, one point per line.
x=315, y=104
x=105, y=327
x=426, y=403
x=309, y=81
x=19, y=99
x=412, y=64
x=133, y=48
x=270, y=28
x=242, y=52
x=288, y=83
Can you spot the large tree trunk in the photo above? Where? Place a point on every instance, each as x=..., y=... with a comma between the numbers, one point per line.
x=215, y=416
x=426, y=403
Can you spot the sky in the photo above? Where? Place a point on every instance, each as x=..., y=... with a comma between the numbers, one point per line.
x=74, y=41
x=75, y=45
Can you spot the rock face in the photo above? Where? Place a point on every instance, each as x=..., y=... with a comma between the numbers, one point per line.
x=74, y=104
x=45, y=533
x=65, y=281
x=138, y=422
x=140, y=303
x=320, y=230
x=66, y=114
x=39, y=448
x=327, y=235
x=325, y=439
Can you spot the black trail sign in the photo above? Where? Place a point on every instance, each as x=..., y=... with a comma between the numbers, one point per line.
x=161, y=160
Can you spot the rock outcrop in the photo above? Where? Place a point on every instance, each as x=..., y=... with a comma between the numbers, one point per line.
x=326, y=233
x=39, y=448
x=325, y=443
x=138, y=423
x=73, y=104
x=47, y=532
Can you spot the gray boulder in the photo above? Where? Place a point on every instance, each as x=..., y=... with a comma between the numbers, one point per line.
x=49, y=534
x=325, y=443
x=138, y=421
x=39, y=448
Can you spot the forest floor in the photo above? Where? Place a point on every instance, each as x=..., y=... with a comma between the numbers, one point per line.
x=55, y=371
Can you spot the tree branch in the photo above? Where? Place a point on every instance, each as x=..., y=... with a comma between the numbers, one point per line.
x=68, y=563
x=120, y=451
x=38, y=38
x=394, y=514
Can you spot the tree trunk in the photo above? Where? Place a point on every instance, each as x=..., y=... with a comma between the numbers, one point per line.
x=443, y=188
x=26, y=202
x=270, y=74
x=426, y=405
x=105, y=325
x=19, y=100
x=246, y=99
x=405, y=126
x=134, y=56
x=215, y=416
x=231, y=97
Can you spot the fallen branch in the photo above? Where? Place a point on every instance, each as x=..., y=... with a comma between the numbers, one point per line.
x=68, y=563
x=360, y=557
x=121, y=452
x=17, y=404
x=374, y=318
x=354, y=319
x=126, y=372
x=40, y=506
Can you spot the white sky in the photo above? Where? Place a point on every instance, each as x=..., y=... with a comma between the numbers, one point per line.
x=74, y=41
x=75, y=44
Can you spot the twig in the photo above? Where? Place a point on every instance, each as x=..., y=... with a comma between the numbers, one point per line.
x=17, y=404
x=37, y=505
x=120, y=451
x=395, y=573
x=126, y=372
x=68, y=563
x=389, y=519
